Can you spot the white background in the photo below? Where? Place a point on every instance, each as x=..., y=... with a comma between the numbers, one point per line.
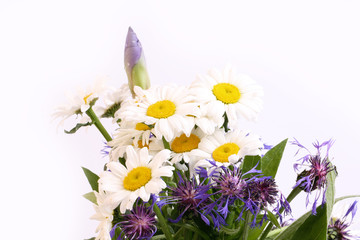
x=305, y=54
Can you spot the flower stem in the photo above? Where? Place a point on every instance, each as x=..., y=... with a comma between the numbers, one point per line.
x=246, y=226
x=162, y=223
x=90, y=112
x=291, y=196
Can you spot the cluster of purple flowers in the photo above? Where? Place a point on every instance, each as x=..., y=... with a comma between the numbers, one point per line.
x=221, y=188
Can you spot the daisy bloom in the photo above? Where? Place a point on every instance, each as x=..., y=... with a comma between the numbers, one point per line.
x=170, y=109
x=139, y=178
x=80, y=103
x=104, y=213
x=135, y=134
x=211, y=117
x=113, y=99
x=226, y=148
x=182, y=147
x=238, y=94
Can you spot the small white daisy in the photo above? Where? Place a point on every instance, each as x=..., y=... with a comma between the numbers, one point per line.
x=140, y=178
x=170, y=110
x=182, y=148
x=104, y=214
x=238, y=94
x=80, y=103
x=211, y=117
x=113, y=100
x=226, y=148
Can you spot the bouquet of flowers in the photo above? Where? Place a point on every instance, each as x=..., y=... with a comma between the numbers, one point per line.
x=181, y=168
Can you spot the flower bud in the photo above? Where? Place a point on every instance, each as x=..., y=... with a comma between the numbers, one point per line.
x=135, y=65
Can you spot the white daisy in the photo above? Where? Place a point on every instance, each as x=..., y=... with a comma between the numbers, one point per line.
x=80, y=103
x=226, y=148
x=113, y=99
x=104, y=213
x=182, y=148
x=136, y=134
x=140, y=178
x=211, y=117
x=170, y=109
x=238, y=94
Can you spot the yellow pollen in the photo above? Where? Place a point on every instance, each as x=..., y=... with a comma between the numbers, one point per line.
x=185, y=144
x=86, y=98
x=161, y=109
x=226, y=92
x=222, y=153
x=140, y=145
x=142, y=127
x=137, y=178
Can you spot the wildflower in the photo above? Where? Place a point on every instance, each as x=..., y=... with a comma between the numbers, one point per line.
x=313, y=177
x=191, y=196
x=140, y=178
x=341, y=221
x=140, y=223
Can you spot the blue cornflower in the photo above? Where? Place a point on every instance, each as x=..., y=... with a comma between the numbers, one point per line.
x=315, y=170
x=191, y=196
x=340, y=222
x=140, y=223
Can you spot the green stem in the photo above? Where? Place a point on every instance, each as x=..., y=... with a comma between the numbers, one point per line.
x=291, y=196
x=162, y=223
x=90, y=112
x=246, y=225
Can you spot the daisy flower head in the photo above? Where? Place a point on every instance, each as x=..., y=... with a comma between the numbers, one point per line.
x=170, y=110
x=342, y=222
x=140, y=177
x=226, y=148
x=113, y=100
x=138, y=135
x=78, y=104
x=182, y=148
x=313, y=170
x=238, y=94
x=104, y=214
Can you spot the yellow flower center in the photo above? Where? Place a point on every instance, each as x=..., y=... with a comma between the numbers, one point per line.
x=226, y=92
x=142, y=127
x=185, y=144
x=137, y=178
x=222, y=153
x=161, y=109
x=140, y=145
x=86, y=98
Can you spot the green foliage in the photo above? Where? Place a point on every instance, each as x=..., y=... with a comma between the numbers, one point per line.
x=110, y=112
x=271, y=160
x=273, y=219
x=77, y=127
x=345, y=197
x=92, y=178
x=91, y=197
x=250, y=162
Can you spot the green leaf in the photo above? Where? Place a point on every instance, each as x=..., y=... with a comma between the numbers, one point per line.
x=255, y=232
x=345, y=197
x=313, y=227
x=274, y=233
x=271, y=160
x=166, y=144
x=273, y=219
x=91, y=197
x=92, y=178
x=77, y=127
x=250, y=162
x=90, y=239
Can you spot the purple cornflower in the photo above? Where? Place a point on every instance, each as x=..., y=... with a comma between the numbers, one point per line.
x=339, y=225
x=191, y=196
x=140, y=223
x=316, y=168
x=231, y=185
x=264, y=193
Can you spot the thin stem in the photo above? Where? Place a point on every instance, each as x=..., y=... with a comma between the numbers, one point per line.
x=90, y=112
x=162, y=223
x=291, y=196
x=246, y=225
